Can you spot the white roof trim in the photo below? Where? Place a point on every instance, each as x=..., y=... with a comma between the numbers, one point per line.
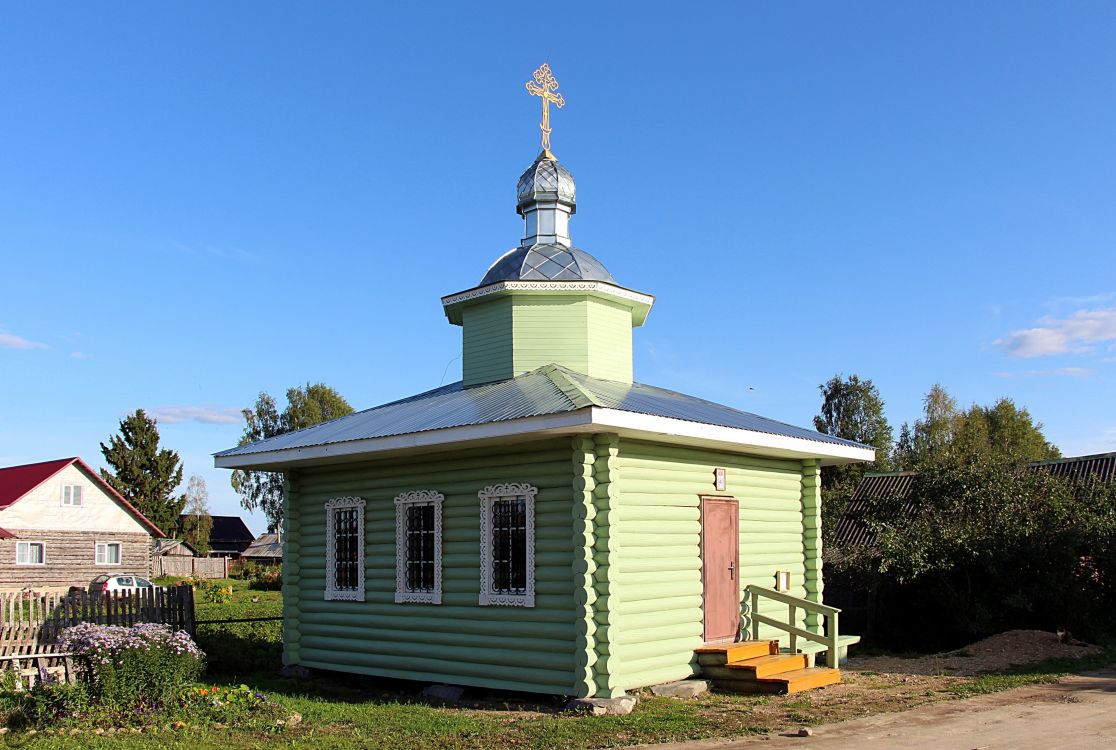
x=550, y=286
x=587, y=420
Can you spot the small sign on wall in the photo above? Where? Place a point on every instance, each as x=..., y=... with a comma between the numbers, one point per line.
x=719, y=479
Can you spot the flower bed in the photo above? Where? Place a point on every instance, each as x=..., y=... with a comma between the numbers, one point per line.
x=139, y=676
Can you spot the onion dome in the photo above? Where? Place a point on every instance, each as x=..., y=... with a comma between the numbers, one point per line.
x=547, y=262
x=546, y=181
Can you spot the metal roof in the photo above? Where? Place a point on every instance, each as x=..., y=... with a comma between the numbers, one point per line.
x=266, y=545
x=545, y=180
x=552, y=389
x=1100, y=467
x=546, y=262
x=850, y=530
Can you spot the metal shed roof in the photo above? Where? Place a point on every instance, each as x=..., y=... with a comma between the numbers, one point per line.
x=549, y=390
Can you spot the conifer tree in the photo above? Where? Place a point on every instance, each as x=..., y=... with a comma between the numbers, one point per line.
x=142, y=472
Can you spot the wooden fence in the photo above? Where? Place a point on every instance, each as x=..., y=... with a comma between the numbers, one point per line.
x=31, y=623
x=183, y=566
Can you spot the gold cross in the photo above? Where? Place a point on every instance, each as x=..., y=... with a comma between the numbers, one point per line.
x=545, y=85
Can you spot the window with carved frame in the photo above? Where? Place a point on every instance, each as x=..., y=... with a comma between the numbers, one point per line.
x=507, y=540
x=418, y=547
x=345, y=549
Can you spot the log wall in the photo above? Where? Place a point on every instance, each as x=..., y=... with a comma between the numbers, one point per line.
x=71, y=558
x=458, y=641
x=656, y=517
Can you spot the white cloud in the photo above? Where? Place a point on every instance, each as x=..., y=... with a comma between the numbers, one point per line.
x=11, y=341
x=1057, y=372
x=203, y=414
x=1076, y=334
x=81, y=355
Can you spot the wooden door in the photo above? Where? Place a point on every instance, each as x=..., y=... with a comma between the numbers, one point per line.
x=720, y=557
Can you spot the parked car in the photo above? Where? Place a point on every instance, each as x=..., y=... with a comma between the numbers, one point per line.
x=103, y=584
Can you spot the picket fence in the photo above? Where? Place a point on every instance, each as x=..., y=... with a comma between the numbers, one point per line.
x=31, y=623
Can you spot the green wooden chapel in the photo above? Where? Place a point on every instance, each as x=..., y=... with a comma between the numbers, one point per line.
x=547, y=524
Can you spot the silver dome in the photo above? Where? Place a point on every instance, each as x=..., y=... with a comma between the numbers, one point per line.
x=546, y=180
x=547, y=263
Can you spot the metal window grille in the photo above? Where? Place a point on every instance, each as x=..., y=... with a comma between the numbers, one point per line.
x=509, y=545
x=346, y=536
x=420, y=548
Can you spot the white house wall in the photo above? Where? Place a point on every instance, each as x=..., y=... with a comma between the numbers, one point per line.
x=41, y=509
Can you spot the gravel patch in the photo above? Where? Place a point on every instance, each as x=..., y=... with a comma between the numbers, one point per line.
x=992, y=654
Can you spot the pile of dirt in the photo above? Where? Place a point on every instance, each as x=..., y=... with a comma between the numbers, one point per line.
x=992, y=654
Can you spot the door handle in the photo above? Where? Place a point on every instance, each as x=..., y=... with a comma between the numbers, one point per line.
x=732, y=570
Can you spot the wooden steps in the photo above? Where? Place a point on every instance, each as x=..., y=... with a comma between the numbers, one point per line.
x=758, y=667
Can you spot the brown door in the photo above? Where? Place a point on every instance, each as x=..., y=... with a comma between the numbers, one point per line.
x=720, y=555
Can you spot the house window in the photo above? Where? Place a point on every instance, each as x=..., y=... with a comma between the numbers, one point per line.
x=418, y=547
x=71, y=495
x=108, y=553
x=507, y=541
x=30, y=553
x=345, y=549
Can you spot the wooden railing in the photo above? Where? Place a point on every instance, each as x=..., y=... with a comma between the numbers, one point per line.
x=829, y=639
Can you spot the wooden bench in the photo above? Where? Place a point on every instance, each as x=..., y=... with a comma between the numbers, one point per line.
x=32, y=668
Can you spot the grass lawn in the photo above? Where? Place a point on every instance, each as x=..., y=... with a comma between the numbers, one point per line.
x=343, y=711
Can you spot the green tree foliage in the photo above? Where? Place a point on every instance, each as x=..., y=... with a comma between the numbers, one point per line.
x=984, y=545
x=306, y=406
x=197, y=523
x=1001, y=432
x=852, y=409
x=142, y=472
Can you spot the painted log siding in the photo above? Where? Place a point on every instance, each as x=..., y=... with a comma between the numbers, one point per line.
x=657, y=548
x=618, y=574
x=458, y=641
x=508, y=336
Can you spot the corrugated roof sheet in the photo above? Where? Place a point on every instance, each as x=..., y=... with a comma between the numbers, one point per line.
x=267, y=545
x=1100, y=467
x=851, y=530
x=548, y=390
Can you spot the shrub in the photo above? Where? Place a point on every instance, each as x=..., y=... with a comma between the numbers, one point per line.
x=267, y=579
x=124, y=668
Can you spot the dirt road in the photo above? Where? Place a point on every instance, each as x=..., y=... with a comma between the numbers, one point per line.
x=1076, y=713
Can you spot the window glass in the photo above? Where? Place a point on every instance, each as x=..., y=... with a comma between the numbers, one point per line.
x=71, y=494
x=30, y=553
x=509, y=545
x=144, y=583
x=420, y=548
x=345, y=548
x=124, y=581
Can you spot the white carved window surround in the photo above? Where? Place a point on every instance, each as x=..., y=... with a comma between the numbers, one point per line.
x=418, y=547
x=507, y=545
x=345, y=549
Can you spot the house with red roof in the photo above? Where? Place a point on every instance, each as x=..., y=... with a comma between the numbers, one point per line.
x=62, y=525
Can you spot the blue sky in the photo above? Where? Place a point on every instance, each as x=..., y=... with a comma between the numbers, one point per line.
x=200, y=201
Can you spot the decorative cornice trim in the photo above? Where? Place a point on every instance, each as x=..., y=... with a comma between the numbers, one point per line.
x=487, y=496
x=332, y=592
x=417, y=497
x=549, y=286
